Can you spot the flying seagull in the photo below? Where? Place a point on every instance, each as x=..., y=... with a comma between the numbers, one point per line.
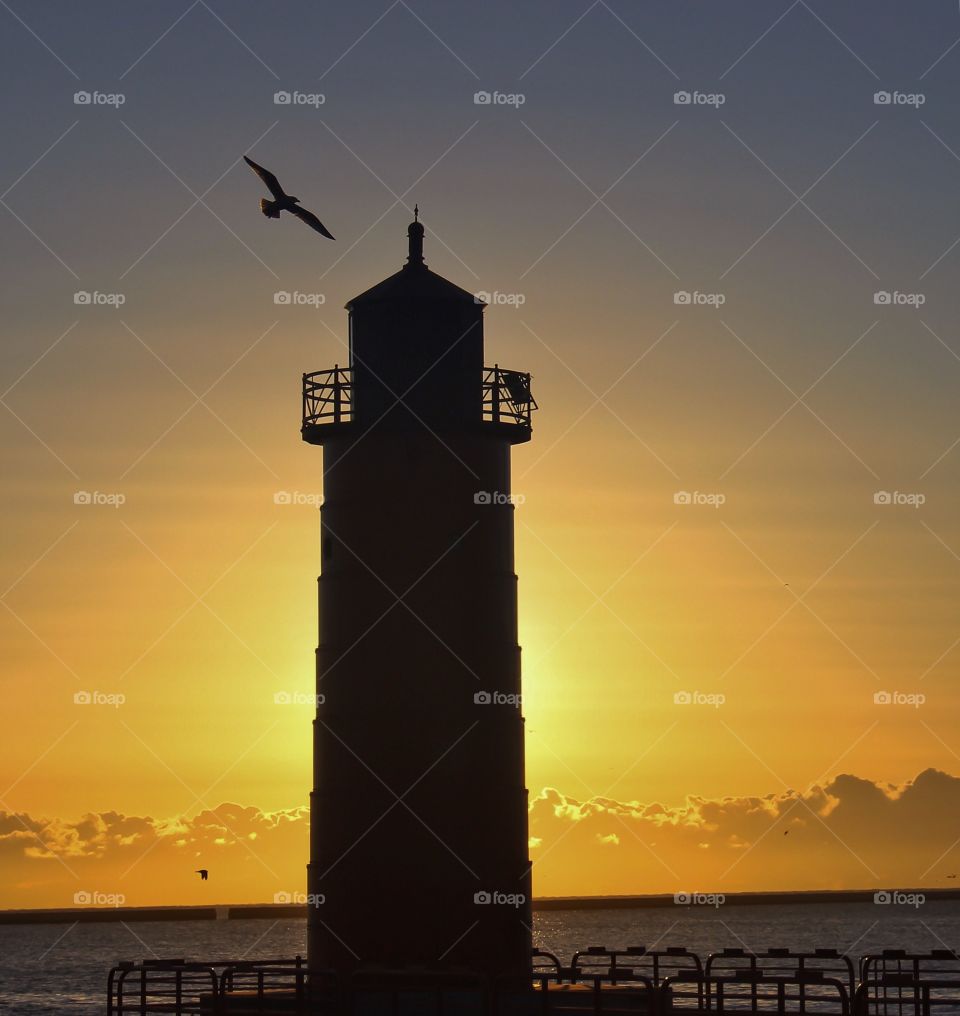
x=284, y=202
x=203, y=873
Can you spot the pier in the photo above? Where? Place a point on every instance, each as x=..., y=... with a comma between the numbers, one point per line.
x=596, y=980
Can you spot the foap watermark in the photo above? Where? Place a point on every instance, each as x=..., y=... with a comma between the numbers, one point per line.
x=699, y=899
x=683, y=298
x=99, y=497
x=300, y=899
x=84, y=298
x=297, y=497
x=295, y=98
x=497, y=497
x=699, y=497
x=899, y=497
x=896, y=898
x=283, y=298
x=498, y=299
x=83, y=98
x=884, y=298
x=483, y=98
x=899, y=698
x=297, y=698
x=695, y=98
x=99, y=698
x=699, y=698
x=497, y=698
x=895, y=98
x=494, y=898
x=95, y=898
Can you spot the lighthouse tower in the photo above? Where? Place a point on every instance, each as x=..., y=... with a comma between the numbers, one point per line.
x=418, y=845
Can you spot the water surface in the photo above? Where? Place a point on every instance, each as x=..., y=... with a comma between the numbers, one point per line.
x=62, y=968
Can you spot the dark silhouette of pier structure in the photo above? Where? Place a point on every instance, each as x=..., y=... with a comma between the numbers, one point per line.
x=418, y=850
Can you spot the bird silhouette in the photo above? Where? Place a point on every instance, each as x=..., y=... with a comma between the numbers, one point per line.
x=203, y=873
x=283, y=202
x=951, y=876
x=786, y=832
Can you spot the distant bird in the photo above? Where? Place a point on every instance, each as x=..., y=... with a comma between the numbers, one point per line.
x=203, y=873
x=951, y=876
x=786, y=832
x=284, y=202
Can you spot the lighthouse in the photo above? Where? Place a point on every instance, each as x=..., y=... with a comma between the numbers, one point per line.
x=418, y=823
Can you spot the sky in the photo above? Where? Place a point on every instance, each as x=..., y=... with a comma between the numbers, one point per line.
x=739, y=544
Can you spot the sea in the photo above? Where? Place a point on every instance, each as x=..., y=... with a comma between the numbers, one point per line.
x=62, y=968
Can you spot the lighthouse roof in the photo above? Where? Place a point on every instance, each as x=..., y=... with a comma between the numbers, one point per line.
x=414, y=282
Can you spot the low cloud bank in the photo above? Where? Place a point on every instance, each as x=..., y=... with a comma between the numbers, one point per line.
x=847, y=833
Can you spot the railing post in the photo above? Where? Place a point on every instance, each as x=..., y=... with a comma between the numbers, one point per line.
x=495, y=401
x=336, y=393
x=664, y=998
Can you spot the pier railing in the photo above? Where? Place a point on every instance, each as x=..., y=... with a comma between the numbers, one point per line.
x=785, y=963
x=174, y=986
x=900, y=983
x=620, y=965
x=751, y=990
x=196, y=989
x=779, y=982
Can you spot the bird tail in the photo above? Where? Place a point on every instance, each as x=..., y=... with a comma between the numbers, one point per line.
x=269, y=208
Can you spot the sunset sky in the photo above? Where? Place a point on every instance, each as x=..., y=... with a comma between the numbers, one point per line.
x=782, y=652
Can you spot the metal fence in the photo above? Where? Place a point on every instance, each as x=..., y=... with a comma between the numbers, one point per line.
x=821, y=982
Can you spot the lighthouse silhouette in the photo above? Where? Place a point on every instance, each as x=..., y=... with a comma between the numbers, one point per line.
x=418, y=826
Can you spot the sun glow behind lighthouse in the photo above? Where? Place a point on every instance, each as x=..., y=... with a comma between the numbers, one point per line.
x=194, y=599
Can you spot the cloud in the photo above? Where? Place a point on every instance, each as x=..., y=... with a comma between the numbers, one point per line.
x=846, y=833
x=252, y=854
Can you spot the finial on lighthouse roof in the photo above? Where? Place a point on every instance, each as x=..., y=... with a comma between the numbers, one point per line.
x=415, y=240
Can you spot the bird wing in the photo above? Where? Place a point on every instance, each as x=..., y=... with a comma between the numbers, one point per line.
x=312, y=221
x=273, y=184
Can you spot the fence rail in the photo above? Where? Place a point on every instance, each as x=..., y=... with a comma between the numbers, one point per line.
x=328, y=396
x=779, y=982
x=900, y=983
x=752, y=990
x=505, y=397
